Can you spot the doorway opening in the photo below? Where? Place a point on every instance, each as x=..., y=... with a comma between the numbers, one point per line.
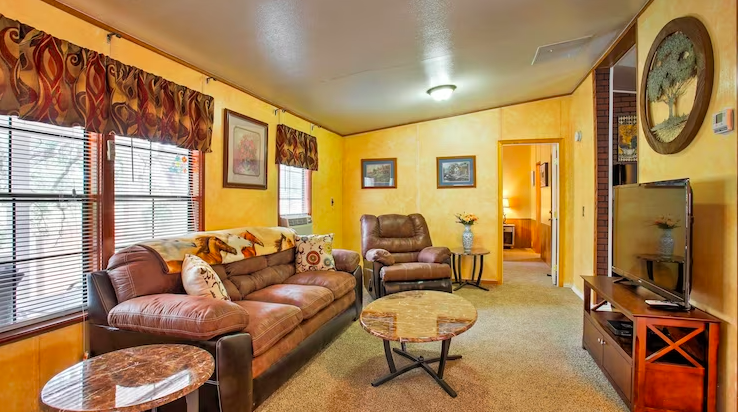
x=529, y=210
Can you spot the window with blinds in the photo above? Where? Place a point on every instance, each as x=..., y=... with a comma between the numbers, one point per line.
x=49, y=220
x=157, y=191
x=294, y=186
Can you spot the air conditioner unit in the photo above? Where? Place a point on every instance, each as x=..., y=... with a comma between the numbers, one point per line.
x=302, y=224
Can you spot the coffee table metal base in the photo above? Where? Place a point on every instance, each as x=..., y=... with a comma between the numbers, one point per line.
x=418, y=362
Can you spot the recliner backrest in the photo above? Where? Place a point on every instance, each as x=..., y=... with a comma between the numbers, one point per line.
x=398, y=234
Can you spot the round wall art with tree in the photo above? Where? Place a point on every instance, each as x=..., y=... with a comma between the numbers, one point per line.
x=676, y=85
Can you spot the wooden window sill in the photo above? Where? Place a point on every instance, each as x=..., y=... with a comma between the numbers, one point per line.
x=42, y=327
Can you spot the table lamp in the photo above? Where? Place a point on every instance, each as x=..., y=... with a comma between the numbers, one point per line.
x=505, y=208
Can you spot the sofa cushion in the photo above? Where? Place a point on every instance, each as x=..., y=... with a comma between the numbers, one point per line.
x=310, y=326
x=339, y=283
x=415, y=271
x=278, y=351
x=231, y=288
x=199, y=279
x=314, y=252
x=269, y=322
x=406, y=257
x=180, y=316
x=137, y=271
x=284, y=257
x=246, y=266
x=310, y=299
x=266, y=277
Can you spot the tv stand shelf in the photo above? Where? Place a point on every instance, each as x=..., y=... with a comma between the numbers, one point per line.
x=670, y=362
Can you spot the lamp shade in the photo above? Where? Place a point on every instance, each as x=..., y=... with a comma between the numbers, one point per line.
x=505, y=202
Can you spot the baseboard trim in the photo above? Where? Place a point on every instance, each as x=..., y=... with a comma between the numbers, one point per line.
x=577, y=291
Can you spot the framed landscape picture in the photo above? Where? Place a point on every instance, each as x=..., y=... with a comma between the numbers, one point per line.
x=456, y=171
x=378, y=173
x=245, y=144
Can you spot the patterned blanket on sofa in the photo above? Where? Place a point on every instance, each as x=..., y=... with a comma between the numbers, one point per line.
x=222, y=246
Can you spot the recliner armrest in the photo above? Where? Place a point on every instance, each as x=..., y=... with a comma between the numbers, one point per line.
x=346, y=260
x=181, y=316
x=434, y=254
x=381, y=256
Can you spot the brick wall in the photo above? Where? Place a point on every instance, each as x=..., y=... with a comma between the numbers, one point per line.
x=623, y=104
x=602, y=125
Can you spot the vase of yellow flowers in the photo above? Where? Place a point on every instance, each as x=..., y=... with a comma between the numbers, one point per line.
x=666, y=242
x=467, y=238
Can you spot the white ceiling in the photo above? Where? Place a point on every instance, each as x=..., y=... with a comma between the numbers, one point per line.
x=353, y=65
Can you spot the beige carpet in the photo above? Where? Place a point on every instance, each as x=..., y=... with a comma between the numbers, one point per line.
x=523, y=354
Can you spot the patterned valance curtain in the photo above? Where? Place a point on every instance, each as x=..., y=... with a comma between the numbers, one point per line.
x=296, y=148
x=50, y=80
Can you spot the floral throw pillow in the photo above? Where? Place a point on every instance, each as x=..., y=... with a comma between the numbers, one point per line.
x=314, y=252
x=200, y=279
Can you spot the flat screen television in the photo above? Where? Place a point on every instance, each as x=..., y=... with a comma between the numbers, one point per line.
x=645, y=251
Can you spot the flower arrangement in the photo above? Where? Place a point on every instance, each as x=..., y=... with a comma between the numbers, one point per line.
x=466, y=218
x=666, y=222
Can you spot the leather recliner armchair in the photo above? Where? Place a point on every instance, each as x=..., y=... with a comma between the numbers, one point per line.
x=399, y=256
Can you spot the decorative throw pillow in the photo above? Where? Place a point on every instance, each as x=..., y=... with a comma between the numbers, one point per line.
x=314, y=252
x=199, y=279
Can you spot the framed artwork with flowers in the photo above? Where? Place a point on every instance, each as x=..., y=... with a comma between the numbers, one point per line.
x=245, y=143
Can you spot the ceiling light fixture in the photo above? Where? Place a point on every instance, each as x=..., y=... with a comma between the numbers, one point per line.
x=440, y=93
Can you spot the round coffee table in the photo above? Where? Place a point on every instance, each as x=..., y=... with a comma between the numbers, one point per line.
x=456, y=255
x=418, y=316
x=131, y=380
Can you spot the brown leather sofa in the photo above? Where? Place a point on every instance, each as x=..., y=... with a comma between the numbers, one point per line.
x=277, y=320
x=399, y=255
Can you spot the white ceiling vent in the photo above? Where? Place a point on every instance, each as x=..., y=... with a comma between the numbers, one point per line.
x=563, y=50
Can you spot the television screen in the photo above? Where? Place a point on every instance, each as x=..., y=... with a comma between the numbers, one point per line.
x=651, y=236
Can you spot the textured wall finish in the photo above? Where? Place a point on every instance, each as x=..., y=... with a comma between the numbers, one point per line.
x=416, y=147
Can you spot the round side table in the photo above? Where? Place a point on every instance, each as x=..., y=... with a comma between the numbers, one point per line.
x=456, y=255
x=131, y=380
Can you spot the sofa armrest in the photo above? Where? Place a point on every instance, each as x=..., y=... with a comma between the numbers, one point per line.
x=346, y=260
x=380, y=255
x=181, y=316
x=434, y=255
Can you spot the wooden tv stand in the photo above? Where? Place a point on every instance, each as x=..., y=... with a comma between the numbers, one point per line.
x=670, y=362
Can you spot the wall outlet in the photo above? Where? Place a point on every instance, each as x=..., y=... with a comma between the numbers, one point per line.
x=578, y=136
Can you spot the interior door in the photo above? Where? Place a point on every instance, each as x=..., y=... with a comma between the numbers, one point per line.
x=555, y=214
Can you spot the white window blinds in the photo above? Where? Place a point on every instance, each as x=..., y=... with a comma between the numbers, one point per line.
x=293, y=191
x=157, y=191
x=49, y=220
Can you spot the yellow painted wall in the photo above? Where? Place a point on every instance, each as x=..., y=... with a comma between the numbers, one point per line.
x=580, y=255
x=224, y=208
x=517, y=163
x=416, y=147
x=28, y=364
x=711, y=164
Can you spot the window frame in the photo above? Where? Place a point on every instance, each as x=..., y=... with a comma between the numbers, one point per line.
x=308, y=191
x=105, y=165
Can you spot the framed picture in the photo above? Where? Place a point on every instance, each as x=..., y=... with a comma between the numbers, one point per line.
x=627, y=139
x=456, y=171
x=245, y=143
x=379, y=173
x=544, y=174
